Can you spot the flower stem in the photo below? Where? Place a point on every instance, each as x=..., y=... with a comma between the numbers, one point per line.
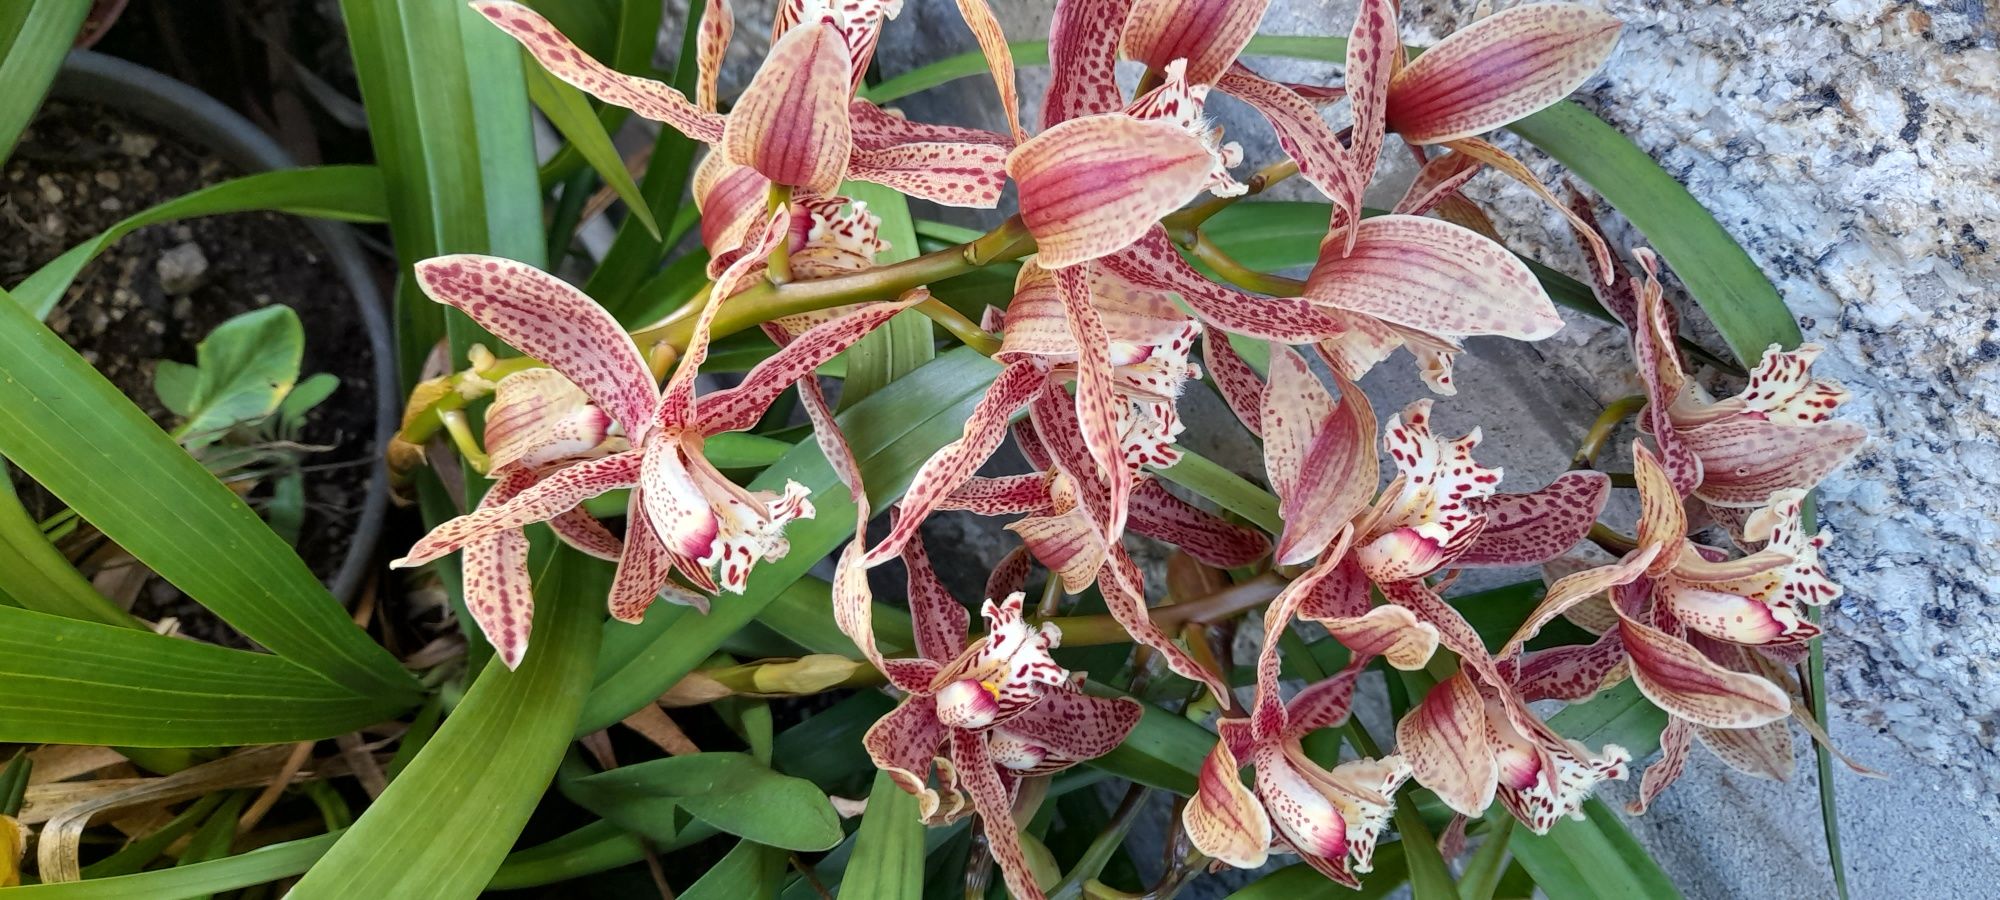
x=1239, y=274
x=460, y=429
x=968, y=333
x=779, y=268
x=1601, y=430
x=1192, y=217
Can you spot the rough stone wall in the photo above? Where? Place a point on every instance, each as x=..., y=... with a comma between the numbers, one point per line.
x=1851, y=148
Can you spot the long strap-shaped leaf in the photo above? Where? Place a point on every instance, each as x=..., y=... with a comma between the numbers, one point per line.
x=34, y=35
x=341, y=193
x=447, y=821
x=34, y=575
x=66, y=681
x=906, y=342
x=73, y=432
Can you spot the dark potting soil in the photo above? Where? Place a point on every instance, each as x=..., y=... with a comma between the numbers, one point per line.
x=157, y=292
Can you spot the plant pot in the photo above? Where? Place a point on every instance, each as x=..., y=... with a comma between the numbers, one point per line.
x=195, y=122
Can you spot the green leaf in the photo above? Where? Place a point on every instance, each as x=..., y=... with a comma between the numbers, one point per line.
x=242, y=870
x=37, y=34
x=731, y=791
x=343, y=193
x=1621, y=716
x=891, y=433
x=35, y=575
x=445, y=824
x=906, y=342
x=1482, y=873
x=569, y=111
x=1164, y=750
x=67, y=681
x=307, y=394
x=1594, y=857
x=73, y=432
x=175, y=385
x=244, y=369
x=743, y=450
x=135, y=855
x=1225, y=488
x=635, y=252
x=750, y=871
x=448, y=115
x=825, y=749
x=888, y=860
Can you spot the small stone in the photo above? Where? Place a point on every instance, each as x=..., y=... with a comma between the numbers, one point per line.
x=51, y=192
x=137, y=145
x=111, y=204
x=182, y=269
x=109, y=180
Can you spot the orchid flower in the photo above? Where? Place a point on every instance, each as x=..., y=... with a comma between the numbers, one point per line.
x=798, y=123
x=985, y=715
x=684, y=516
x=1330, y=818
x=1737, y=453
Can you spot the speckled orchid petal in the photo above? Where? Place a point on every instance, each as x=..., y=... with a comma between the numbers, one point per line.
x=1662, y=517
x=679, y=510
x=994, y=801
x=1075, y=726
x=751, y=524
x=1125, y=598
x=1011, y=574
x=1098, y=403
x=1431, y=514
x=1533, y=528
x=732, y=200
x=1503, y=162
x=1689, y=685
x=718, y=24
x=1177, y=100
x=556, y=493
x=1153, y=262
x=904, y=743
x=1576, y=588
x=1499, y=70
x=1574, y=672
x=1781, y=526
x=1660, y=373
x=1000, y=496
x=581, y=530
x=953, y=174
x=940, y=622
x=739, y=408
x=539, y=417
x=498, y=594
x=1374, y=55
x=1083, y=55
x=978, y=17
x=1223, y=819
x=650, y=99
x=1744, y=460
x=1158, y=514
x=1306, y=819
x=1303, y=135
x=859, y=23
x=1362, y=343
x=676, y=410
x=1764, y=751
x=1390, y=632
x=1208, y=34
x=1090, y=187
x=544, y=317
x=1433, y=276
x=956, y=462
x=1319, y=455
x=791, y=123
x=1444, y=740
x=1065, y=538
x=1441, y=177
x=1238, y=384
x=1361, y=790
x=1268, y=714
x=643, y=569
x=1543, y=781
x=1675, y=741
x=876, y=128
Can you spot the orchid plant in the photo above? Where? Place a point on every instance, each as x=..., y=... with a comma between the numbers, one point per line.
x=1111, y=293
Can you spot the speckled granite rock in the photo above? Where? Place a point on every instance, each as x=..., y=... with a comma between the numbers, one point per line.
x=1851, y=147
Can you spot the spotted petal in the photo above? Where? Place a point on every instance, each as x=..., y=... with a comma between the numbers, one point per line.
x=740, y=407
x=1433, y=276
x=1207, y=33
x=555, y=494
x=995, y=803
x=498, y=593
x=1444, y=739
x=539, y=417
x=1153, y=262
x=1319, y=455
x=1533, y=528
x=1223, y=819
x=1083, y=54
x=968, y=175
x=564, y=60
x=1077, y=726
x=791, y=123
x=1234, y=380
x=1158, y=514
x=645, y=567
x=1745, y=460
x=904, y=743
x=1499, y=70
x=1687, y=684
x=544, y=317
x=1090, y=187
